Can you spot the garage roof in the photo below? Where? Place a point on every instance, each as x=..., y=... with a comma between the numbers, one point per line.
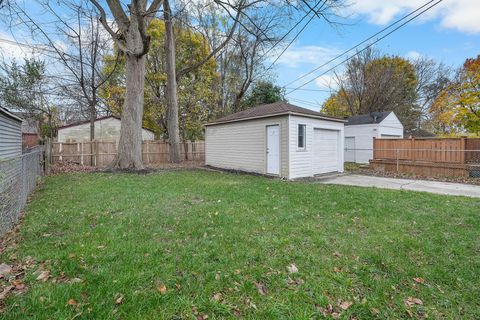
x=271, y=110
x=369, y=118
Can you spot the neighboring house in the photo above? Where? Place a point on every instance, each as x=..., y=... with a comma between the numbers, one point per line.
x=106, y=128
x=276, y=139
x=361, y=129
x=10, y=134
x=30, y=134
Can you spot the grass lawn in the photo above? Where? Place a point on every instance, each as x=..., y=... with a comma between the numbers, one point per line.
x=192, y=244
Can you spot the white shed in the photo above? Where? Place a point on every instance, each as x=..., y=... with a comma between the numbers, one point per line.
x=10, y=134
x=361, y=129
x=277, y=139
x=106, y=128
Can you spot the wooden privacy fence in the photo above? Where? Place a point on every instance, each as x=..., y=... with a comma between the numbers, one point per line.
x=432, y=157
x=102, y=153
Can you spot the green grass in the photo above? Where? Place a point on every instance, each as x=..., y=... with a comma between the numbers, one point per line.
x=201, y=233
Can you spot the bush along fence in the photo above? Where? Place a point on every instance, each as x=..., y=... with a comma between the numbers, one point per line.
x=450, y=157
x=18, y=177
x=102, y=153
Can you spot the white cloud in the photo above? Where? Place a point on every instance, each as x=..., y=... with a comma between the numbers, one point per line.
x=461, y=15
x=326, y=81
x=413, y=55
x=298, y=55
x=9, y=49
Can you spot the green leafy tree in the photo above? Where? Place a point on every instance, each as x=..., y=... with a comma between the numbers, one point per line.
x=197, y=97
x=25, y=88
x=263, y=92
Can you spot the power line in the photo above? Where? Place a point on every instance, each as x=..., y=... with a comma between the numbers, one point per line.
x=297, y=35
x=365, y=48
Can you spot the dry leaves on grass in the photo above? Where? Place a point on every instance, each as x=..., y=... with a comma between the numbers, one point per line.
x=119, y=299
x=262, y=289
x=419, y=280
x=43, y=276
x=410, y=301
x=292, y=268
x=161, y=288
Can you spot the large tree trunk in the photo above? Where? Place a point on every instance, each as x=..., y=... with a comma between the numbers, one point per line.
x=130, y=144
x=172, y=100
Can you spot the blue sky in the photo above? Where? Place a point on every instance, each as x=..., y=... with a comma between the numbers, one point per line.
x=449, y=33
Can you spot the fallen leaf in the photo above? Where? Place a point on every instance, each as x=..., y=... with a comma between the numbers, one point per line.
x=217, y=296
x=101, y=247
x=410, y=301
x=217, y=275
x=43, y=276
x=72, y=302
x=337, y=254
x=5, y=291
x=161, y=288
x=202, y=317
x=375, y=311
x=5, y=269
x=419, y=280
x=237, y=271
x=345, y=305
x=292, y=268
x=119, y=300
x=337, y=269
x=262, y=289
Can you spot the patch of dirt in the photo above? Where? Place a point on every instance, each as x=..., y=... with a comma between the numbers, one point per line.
x=69, y=167
x=388, y=174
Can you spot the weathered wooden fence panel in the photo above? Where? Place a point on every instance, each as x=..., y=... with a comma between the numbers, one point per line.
x=102, y=153
x=432, y=157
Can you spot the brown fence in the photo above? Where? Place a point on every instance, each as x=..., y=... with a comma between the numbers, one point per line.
x=429, y=157
x=102, y=153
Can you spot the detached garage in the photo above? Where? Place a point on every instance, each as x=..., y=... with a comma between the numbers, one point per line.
x=278, y=139
x=361, y=129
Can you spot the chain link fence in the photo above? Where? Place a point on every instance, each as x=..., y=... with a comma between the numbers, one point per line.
x=18, y=177
x=422, y=162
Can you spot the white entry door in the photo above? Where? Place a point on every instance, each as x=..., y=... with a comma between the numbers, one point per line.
x=273, y=149
x=325, y=151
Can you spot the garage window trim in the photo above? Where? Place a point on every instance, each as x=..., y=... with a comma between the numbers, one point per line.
x=301, y=134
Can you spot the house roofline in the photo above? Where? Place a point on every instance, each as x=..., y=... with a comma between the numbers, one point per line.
x=97, y=119
x=282, y=113
x=9, y=114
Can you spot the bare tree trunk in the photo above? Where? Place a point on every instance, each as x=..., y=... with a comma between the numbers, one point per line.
x=130, y=143
x=172, y=99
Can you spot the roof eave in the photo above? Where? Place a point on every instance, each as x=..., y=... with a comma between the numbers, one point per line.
x=11, y=115
x=284, y=113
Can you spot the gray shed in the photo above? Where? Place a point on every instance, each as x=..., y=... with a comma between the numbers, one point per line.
x=10, y=134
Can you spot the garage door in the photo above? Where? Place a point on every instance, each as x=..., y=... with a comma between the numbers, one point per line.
x=325, y=151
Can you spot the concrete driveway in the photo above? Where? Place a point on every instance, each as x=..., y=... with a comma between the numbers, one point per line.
x=455, y=189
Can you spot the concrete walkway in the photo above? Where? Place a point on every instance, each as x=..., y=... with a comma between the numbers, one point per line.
x=455, y=189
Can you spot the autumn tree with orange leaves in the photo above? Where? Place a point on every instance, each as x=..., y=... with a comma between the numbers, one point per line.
x=457, y=108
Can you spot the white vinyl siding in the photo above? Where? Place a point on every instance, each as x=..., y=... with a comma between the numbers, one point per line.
x=10, y=137
x=302, y=161
x=390, y=127
x=242, y=145
x=106, y=129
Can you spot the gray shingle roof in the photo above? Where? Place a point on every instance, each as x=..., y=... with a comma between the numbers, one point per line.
x=270, y=110
x=369, y=118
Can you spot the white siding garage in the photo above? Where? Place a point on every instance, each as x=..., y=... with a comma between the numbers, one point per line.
x=277, y=139
x=361, y=129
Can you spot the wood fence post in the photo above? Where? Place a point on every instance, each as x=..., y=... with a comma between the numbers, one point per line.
x=81, y=153
x=48, y=151
x=463, y=147
x=60, y=150
x=414, y=150
x=147, y=147
x=95, y=152
x=375, y=151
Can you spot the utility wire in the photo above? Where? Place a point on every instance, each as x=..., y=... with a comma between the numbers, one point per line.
x=368, y=39
x=365, y=48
